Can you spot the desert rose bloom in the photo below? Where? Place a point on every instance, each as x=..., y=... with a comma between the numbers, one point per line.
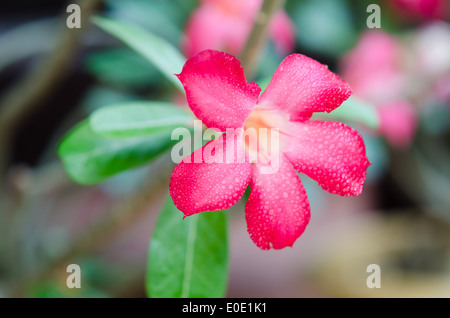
x=331, y=153
x=226, y=24
x=375, y=72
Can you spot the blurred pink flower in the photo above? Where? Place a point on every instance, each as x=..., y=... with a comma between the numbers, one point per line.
x=332, y=153
x=373, y=67
x=398, y=122
x=442, y=89
x=226, y=24
x=375, y=72
x=422, y=9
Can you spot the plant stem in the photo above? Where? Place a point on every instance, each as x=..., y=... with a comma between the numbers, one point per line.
x=258, y=35
x=28, y=96
x=117, y=218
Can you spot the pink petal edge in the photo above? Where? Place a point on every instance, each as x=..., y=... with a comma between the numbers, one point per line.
x=277, y=211
x=301, y=86
x=331, y=153
x=217, y=91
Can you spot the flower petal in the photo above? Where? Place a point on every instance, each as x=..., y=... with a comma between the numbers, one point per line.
x=225, y=25
x=210, y=27
x=301, y=86
x=198, y=36
x=277, y=210
x=217, y=91
x=331, y=153
x=210, y=185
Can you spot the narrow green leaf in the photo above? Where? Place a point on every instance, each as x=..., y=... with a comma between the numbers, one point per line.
x=357, y=111
x=157, y=50
x=123, y=68
x=90, y=158
x=188, y=257
x=138, y=118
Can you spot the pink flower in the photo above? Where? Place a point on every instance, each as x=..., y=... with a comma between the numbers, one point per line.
x=375, y=72
x=226, y=24
x=331, y=153
x=398, y=122
x=373, y=67
x=422, y=9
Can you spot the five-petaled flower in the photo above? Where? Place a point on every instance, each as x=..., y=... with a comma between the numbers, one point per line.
x=331, y=153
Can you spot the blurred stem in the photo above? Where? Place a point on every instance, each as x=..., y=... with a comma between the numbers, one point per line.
x=27, y=96
x=117, y=218
x=258, y=35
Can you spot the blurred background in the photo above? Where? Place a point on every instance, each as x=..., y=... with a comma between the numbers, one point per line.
x=51, y=77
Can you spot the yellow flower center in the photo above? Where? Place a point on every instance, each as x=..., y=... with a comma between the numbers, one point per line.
x=262, y=132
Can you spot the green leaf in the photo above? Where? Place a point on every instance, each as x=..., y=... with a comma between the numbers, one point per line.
x=100, y=96
x=122, y=68
x=164, y=18
x=52, y=288
x=157, y=50
x=188, y=257
x=139, y=118
x=263, y=83
x=355, y=110
x=90, y=158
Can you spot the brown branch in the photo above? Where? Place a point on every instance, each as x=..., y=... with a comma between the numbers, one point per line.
x=258, y=35
x=116, y=219
x=28, y=96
